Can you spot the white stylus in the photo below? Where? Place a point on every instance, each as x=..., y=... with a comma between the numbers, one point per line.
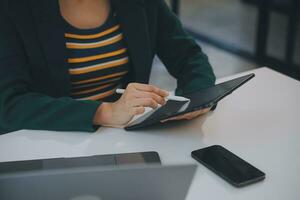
x=170, y=97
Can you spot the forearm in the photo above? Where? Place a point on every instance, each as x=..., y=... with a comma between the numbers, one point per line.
x=20, y=106
x=39, y=112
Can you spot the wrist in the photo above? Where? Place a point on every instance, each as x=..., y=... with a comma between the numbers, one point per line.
x=103, y=114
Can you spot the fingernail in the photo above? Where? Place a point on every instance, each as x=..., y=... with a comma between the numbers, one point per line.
x=166, y=92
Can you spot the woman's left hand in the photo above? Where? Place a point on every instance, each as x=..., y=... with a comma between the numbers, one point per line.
x=188, y=116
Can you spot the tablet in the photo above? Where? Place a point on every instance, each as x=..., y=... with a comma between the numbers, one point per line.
x=201, y=99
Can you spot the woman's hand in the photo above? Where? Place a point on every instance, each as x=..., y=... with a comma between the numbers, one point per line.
x=133, y=102
x=188, y=116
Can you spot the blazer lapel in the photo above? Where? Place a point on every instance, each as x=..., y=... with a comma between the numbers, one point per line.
x=132, y=17
x=50, y=31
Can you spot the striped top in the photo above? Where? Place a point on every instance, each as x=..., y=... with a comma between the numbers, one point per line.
x=98, y=59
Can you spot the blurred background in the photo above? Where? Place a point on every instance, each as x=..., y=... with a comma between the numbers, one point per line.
x=240, y=35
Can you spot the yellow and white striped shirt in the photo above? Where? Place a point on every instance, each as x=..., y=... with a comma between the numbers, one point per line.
x=98, y=59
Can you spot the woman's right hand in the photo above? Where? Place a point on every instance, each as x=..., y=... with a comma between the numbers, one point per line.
x=133, y=102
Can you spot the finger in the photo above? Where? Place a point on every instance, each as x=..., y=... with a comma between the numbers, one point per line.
x=138, y=110
x=154, y=96
x=180, y=117
x=187, y=116
x=173, y=119
x=144, y=102
x=207, y=110
x=193, y=116
x=150, y=88
x=198, y=113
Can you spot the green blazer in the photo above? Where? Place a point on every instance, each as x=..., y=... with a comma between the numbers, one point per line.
x=34, y=78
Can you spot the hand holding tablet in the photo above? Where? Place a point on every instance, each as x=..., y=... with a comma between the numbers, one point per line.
x=200, y=100
x=129, y=110
x=134, y=101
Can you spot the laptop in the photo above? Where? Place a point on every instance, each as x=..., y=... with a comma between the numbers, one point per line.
x=128, y=182
x=201, y=99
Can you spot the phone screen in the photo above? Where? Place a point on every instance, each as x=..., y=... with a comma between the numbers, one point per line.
x=227, y=165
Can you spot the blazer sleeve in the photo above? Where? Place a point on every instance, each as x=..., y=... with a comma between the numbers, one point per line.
x=20, y=108
x=180, y=53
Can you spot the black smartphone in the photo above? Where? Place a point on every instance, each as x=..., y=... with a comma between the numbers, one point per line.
x=230, y=167
x=77, y=162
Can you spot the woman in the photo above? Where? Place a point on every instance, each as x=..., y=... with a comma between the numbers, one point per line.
x=61, y=61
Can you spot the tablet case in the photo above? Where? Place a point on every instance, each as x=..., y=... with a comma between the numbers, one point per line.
x=201, y=99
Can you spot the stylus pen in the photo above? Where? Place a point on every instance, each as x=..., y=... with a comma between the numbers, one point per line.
x=170, y=97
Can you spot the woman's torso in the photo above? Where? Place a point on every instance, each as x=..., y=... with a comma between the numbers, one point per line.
x=97, y=55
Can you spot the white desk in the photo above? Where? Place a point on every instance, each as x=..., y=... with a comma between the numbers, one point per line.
x=260, y=122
